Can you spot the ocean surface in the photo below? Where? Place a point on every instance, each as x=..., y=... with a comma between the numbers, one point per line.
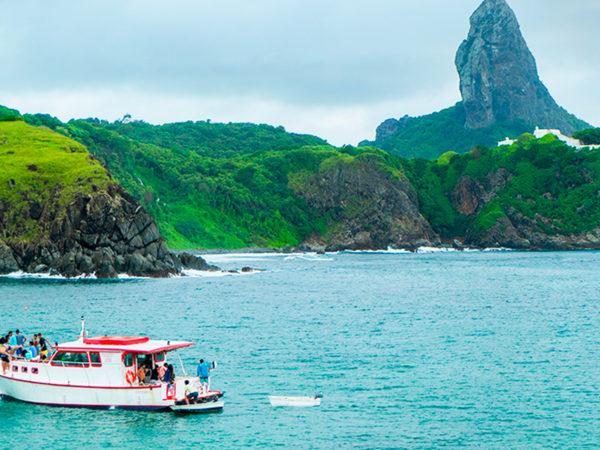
x=489, y=350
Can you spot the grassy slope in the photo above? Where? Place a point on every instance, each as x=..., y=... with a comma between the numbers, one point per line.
x=434, y=134
x=43, y=167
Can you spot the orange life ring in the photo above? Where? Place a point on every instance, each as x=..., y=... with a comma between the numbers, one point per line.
x=130, y=377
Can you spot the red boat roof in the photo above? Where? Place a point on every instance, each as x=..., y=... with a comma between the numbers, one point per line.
x=116, y=340
x=134, y=344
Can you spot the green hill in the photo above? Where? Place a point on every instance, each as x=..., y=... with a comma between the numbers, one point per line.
x=533, y=194
x=431, y=135
x=62, y=213
x=234, y=189
x=41, y=169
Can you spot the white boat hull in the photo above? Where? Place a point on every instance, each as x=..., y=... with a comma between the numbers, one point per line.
x=151, y=398
x=299, y=402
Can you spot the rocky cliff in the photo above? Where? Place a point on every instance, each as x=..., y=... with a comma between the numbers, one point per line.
x=367, y=206
x=502, y=94
x=499, y=81
x=61, y=213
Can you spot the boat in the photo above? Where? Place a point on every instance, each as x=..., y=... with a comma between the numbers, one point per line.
x=195, y=408
x=100, y=372
x=300, y=402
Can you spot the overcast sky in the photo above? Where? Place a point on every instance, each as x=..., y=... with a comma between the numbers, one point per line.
x=335, y=68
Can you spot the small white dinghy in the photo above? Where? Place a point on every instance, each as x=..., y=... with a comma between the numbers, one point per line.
x=196, y=408
x=299, y=402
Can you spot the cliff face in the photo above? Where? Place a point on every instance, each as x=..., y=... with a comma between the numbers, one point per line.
x=61, y=213
x=368, y=208
x=499, y=80
x=502, y=94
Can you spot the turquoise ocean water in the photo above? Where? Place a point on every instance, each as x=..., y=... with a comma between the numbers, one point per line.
x=491, y=350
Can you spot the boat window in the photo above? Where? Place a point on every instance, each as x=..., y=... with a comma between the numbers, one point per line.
x=95, y=359
x=34, y=370
x=71, y=359
x=15, y=368
x=24, y=369
x=159, y=357
x=128, y=359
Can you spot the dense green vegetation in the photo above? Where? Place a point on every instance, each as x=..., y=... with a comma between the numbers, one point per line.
x=431, y=135
x=243, y=189
x=549, y=182
x=238, y=195
x=590, y=136
x=40, y=168
x=8, y=115
x=211, y=139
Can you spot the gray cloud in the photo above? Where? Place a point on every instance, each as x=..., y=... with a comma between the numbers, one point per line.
x=335, y=67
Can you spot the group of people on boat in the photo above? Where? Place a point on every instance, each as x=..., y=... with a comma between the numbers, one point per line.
x=150, y=374
x=17, y=346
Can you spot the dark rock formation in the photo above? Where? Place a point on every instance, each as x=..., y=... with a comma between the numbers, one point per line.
x=499, y=80
x=105, y=234
x=502, y=95
x=519, y=232
x=368, y=209
x=469, y=195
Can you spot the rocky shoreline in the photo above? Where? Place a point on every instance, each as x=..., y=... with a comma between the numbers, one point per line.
x=105, y=234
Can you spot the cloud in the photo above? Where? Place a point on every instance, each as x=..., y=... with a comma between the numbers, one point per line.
x=335, y=68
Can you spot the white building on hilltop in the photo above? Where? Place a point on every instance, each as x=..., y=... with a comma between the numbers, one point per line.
x=540, y=133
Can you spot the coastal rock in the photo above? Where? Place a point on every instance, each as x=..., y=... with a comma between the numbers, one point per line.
x=499, y=80
x=194, y=262
x=519, y=232
x=368, y=208
x=104, y=233
x=8, y=263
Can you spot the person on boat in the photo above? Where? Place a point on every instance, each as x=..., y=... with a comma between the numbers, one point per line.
x=154, y=374
x=161, y=371
x=191, y=393
x=141, y=374
x=203, y=371
x=16, y=342
x=43, y=346
x=169, y=374
x=4, y=355
x=32, y=352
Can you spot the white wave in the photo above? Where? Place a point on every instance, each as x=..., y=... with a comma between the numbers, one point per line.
x=389, y=251
x=307, y=257
x=45, y=276
x=422, y=250
x=241, y=257
x=193, y=273
x=48, y=276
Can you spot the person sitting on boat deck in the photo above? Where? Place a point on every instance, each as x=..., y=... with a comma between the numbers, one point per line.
x=5, y=355
x=32, y=352
x=191, y=393
x=203, y=371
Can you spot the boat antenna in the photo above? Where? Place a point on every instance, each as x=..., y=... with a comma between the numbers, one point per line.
x=82, y=336
x=182, y=366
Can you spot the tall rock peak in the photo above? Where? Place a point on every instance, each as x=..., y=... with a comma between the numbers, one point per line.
x=499, y=81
